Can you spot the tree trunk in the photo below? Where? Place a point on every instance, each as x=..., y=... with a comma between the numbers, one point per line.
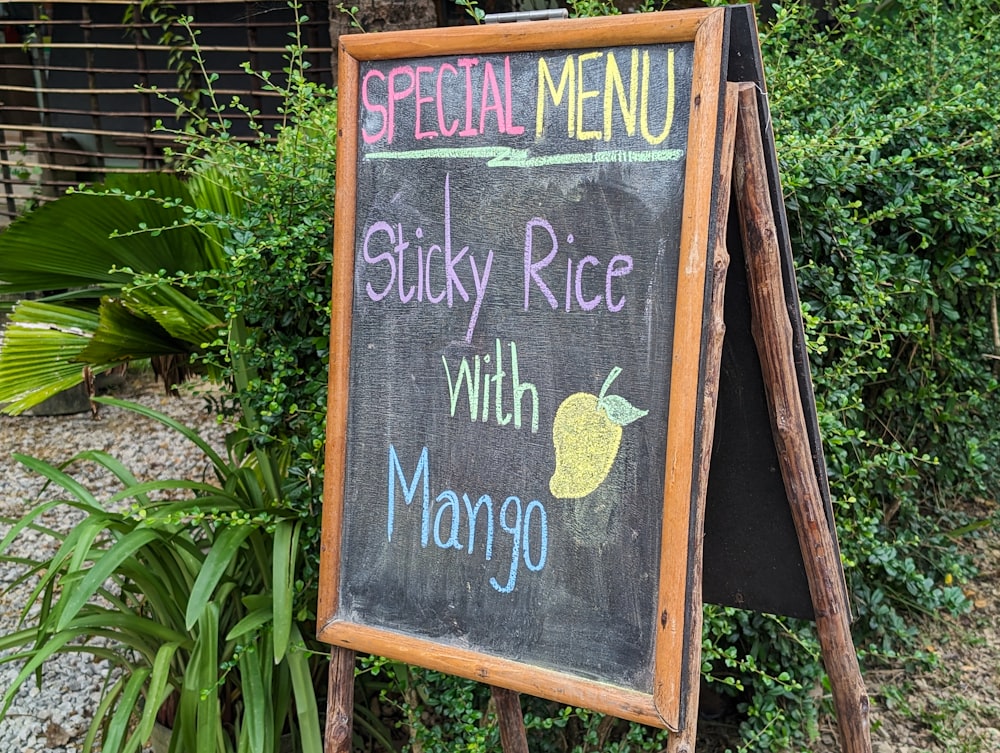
x=381, y=15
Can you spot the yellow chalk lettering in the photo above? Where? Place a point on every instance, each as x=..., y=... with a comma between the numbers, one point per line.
x=644, y=120
x=566, y=87
x=613, y=85
x=584, y=94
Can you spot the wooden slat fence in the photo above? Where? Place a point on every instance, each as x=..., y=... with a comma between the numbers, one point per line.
x=70, y=109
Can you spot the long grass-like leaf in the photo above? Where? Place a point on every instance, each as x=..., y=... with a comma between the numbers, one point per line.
x=257, y=707
x=186, y=720
x=121, y=720
x=112, y=464
x=158, y=690
x=58, y=569
x=14, y=640
x=208, y=496
x=131, y=626
x=61, y=478
x=220, y=558
x=109, y=698
x=286, y=536
x=306, y=710
x=250, y=622
x=190, y=434
x=205, y=666
x=282, y=689
x=28, y=521
x=126, y=547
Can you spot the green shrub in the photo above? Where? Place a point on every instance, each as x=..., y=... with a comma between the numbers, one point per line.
x=274, y=290
x=885, y=129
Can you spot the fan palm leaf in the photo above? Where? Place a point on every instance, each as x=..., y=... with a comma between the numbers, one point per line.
x=40, y=350
x=90, y=240
x=108, y=256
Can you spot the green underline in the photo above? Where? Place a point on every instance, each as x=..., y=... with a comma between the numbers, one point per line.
x=503, y=156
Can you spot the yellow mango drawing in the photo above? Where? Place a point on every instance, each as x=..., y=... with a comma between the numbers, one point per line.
x=586, y=433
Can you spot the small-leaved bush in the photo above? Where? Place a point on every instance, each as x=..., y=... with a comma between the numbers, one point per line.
x=885, y=128
x=886, y=131
x=274, y=292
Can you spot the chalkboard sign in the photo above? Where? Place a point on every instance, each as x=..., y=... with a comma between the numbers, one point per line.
x=522, y=238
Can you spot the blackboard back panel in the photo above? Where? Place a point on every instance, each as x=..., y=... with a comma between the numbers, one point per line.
x=579, y=600
x=752, y=555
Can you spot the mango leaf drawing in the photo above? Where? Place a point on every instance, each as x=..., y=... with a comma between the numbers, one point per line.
x=587, y=432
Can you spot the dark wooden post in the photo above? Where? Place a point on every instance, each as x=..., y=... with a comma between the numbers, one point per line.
x=513, y=736
x=340, y=702
x=773, y=335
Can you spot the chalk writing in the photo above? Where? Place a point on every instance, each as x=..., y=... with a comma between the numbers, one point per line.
x=424, y=88
x=505, y=156
x=453, y=513
x=582, y=115
x=618, y=266
x=389, y=255
x=596, y=95
x=477, y=382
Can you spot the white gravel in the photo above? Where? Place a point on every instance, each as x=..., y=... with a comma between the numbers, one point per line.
x=54, y=717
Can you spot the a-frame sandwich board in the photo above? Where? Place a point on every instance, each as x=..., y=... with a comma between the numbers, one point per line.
x=383, y=211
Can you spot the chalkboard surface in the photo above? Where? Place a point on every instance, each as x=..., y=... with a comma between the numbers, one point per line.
x=521, y=248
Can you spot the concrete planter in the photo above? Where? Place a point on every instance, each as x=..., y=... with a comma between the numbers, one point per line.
x=73, y=400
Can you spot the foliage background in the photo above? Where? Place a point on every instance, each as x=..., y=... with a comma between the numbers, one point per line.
x=885, y=124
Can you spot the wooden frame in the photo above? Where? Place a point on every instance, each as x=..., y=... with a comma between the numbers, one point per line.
x=681, y=493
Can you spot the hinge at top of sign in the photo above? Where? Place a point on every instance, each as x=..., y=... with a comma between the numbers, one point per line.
x=526, y=15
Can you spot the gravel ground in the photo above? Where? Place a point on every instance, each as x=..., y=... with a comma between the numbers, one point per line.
x=54, y=718
x=954, y=708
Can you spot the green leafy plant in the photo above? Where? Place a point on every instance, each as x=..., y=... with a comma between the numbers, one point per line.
x=174, y=36
x=225, y=264
x=352, y=13
x=190, y=600
x=886, y=147
x=103, y=246
x=587, y=8
x=472, y=8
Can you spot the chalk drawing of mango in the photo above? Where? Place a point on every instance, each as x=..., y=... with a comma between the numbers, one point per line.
x=587, y=432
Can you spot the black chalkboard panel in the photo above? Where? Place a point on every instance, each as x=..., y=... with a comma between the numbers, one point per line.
x=521, y=247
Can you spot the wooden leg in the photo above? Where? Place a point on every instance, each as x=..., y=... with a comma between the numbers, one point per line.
x=513, y=736
x=773, y=335
x=340, y=702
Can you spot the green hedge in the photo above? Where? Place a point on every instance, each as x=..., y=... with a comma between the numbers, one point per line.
x=886, y=129
x=885, y=123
